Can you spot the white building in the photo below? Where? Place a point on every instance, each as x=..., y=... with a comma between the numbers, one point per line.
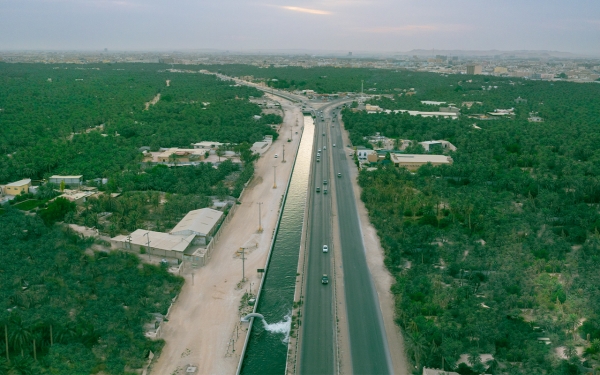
x=68, y=180
x=207, y=146
x=441, y=144
x=201, y=223
x=155, y=243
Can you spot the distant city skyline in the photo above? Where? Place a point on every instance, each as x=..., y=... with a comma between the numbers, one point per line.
x=360, y=26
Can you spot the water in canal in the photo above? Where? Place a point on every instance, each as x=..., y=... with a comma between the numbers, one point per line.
x=267, y=349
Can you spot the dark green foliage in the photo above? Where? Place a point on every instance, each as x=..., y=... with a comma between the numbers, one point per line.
x=54, y=127
x=530, y=191
x=95, y=305
x=56, y=211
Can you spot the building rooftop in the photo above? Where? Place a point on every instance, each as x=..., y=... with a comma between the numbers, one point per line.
x=200, y=221
x=432, y=371
x=207, y=144
x=66, y=177
x=25, y=181
x=158, y=240
x=419, y=158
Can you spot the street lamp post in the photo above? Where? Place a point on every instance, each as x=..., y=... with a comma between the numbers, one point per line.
x=243, y=264
x=260, y=228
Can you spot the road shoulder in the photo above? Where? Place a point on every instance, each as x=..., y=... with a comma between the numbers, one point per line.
x=381, y=276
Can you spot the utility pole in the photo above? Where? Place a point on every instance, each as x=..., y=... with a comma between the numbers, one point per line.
x=243, y=264
x=275, y=177
x=260, y=228
x=283, y=152
x=147, y=234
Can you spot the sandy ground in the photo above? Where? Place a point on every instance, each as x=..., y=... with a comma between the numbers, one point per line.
x=382, y=278
x=152, y=102
x=204, y=326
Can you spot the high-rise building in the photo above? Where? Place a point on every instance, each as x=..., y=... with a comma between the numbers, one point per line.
x=474, y=69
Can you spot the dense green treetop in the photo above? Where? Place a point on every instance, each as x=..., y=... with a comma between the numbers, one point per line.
x=43, y=105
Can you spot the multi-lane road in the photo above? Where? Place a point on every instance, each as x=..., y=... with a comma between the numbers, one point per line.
x=368, y=344
x=369, y=351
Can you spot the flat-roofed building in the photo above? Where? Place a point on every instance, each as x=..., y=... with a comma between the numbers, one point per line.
x=474, y=69
x=207, y=146
x=68, y=180
x=181, y=155
x=412, y=162
x=155, y=243
x=201, y=223
x=17, y=187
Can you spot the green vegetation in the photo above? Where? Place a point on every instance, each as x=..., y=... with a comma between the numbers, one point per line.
x=64, y=308
x=91, y=120
x=66, y=312
x=503, y=241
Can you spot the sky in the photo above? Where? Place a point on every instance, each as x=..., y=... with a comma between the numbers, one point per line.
x=315, y=25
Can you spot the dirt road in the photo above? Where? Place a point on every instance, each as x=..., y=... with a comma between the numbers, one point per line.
x=203, y=328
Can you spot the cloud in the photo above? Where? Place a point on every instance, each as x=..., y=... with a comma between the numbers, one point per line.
x=306, y=10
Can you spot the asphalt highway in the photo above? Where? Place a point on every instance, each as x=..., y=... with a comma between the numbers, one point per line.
x=368, y=344
x=317, y=353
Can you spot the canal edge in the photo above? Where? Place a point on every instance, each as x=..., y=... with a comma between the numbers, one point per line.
x=294, y=342
x=274, y=236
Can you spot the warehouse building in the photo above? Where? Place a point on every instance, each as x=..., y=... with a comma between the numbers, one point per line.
x=192, y=232
x=412, y=162
x=202, y=223
x=155, y=243
x=68, y=180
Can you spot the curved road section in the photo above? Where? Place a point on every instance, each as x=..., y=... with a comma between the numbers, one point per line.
x=368, y=344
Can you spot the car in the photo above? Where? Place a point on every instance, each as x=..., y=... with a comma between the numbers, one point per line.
x=325, y=249
x=324, y=182
x=318, y=189
x=319, y=150
x=324, y=147
x=324, y=279
x=324, y=190
x=323, y=134
x=318, y=154
x=276, y=156
x=339, y=175
x=334, y=145
x=318, y=159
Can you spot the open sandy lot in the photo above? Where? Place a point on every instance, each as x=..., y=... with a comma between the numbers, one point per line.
x=203, y=328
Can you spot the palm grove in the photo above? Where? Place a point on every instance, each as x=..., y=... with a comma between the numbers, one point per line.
x=500, y=249
x=66, y=309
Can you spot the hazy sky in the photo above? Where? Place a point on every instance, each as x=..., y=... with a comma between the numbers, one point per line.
x=345, y=25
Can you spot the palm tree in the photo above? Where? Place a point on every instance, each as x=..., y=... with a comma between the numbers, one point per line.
x=417, y=346
x=19, y=333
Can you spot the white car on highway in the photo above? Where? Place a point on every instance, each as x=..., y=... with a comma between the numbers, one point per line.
x=325, y=249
